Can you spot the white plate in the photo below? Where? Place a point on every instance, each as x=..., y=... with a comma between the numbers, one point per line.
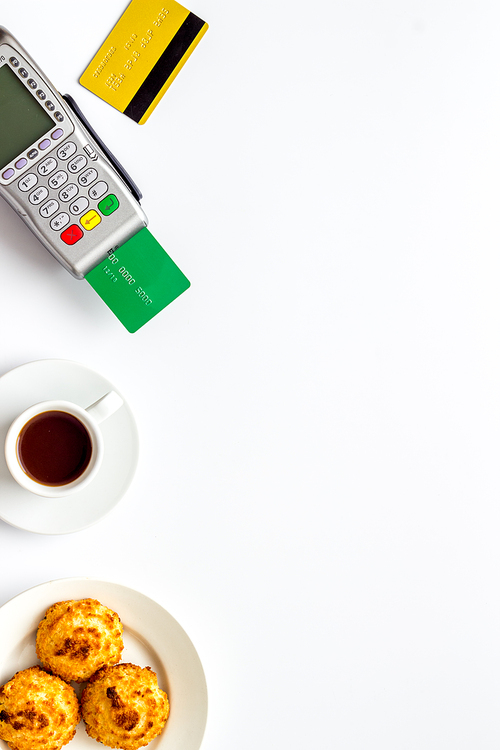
x=48, y=379
x=151, y=638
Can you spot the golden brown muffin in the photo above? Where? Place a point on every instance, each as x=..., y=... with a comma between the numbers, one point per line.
x=78, y=637
x=123, y=707
x=38, y=711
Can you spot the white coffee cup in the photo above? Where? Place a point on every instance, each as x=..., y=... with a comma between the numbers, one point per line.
x=89, y=418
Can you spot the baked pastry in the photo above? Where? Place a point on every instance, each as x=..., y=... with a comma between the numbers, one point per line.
x=123, y=707
x=78, y=637
x=38, y=711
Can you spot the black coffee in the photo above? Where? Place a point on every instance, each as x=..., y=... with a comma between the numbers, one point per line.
x=54, y=448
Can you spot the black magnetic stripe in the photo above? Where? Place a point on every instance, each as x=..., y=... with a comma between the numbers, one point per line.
x=163, y=69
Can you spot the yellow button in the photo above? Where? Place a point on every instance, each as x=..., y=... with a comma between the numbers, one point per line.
x=90, y=220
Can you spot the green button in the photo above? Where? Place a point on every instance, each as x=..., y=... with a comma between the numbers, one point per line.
x=108, y=205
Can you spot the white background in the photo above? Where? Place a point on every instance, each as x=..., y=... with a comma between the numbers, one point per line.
x=317, y=496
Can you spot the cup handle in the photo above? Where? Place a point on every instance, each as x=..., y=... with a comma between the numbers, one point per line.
x=105, y=406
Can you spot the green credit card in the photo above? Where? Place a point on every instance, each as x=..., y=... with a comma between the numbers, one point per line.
x=138, y=280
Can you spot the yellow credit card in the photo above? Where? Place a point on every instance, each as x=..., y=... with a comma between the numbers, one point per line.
x=142, y=55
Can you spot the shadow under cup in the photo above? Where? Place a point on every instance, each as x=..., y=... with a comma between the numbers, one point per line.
x=54, y=448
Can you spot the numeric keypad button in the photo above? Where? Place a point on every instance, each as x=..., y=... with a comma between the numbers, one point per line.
x=68, y=192
x=59, y=221
x=38, y=195
x=49, y=208
x=47, y=166
x=67, y=150
x=88, y=177
x=58, y=179
x=28, y=181
x=98, y=190
x=77, y=164
x=79, y=205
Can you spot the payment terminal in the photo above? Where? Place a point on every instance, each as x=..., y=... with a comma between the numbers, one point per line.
x=56, y=172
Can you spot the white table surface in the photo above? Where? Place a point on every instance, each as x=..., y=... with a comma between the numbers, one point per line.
x=317, y=495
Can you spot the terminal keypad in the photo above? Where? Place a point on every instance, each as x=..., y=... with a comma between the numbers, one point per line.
x=72, y=184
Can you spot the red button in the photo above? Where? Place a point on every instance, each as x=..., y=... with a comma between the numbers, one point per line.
x=72, y=234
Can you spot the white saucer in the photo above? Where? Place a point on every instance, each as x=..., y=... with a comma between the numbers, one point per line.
x=151, y=637
x=61, y=379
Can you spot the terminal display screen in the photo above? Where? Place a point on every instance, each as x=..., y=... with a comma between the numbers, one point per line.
x=22, y=119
